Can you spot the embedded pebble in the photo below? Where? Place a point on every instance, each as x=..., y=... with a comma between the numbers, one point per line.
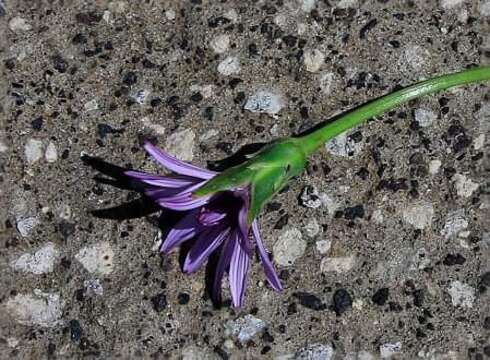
x=434, y=166
x=415, y=56
x=156, y=128
x=170, y=14
x=450, y=4
x=419, y=215
x=206, y=91
x=344, y=4
x=141, y=96
x=455, y=223
x=377, y=216
x=245, y=328
x=312, y=228
x=181, y=144
x=51, y=154
x=97, y=258
x=43, y=309
x=229, y=66
x=315, y=352
x=91, y=105
x=424, y=117
x=484, y=8
x=313, y=60
x=307, y=5
x=93, y=286
x=479, y=142
x=18, y=24
x=343, y=145
x=339, y=265
x=462, y=295
x=264, y=102
x=33, y=150
x=3, y=146
x=289, y=247
x=323, y=246
x=220, y=43
x=42, y=261
x=389, y=350
x=25, y=225
x=326, y=81
x=464, y=186
x=310, y=197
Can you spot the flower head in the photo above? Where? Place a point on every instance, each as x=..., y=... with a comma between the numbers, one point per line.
x=218, y=221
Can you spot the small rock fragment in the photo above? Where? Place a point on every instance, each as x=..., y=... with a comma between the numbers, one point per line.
x=312, y=228
x=33, y=150
x=450, y=4
x=484, y=8
x=315, y=352
x=462, y=295
x=323, y=246
x=425, y=117
x=415, y=57
x=93, y=286
x=18, y=24
x=337, y=264
x=42, y=261
x=170, y=14
x=97, y=258
x=479, y=142
x=389, y=350
x=342, y=301
x=156, y=128
x=326, y=80
x=464, y=186
x=264, y=102
x=307, y=5
x=419, y=215
x=229, y=66
x=43, y=309
x=455, y=223
x=245, y=328
x=141, y=96
x=220, y=43
x=343, y=145
x=91, y=105
x=26, y=224
x=289, y=247
x=181, y=144
x=434, y=166
x=313, y=60
x=51, y=154
x=310, y=197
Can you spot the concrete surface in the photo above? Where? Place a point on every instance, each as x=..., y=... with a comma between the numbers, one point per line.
x=392, y=220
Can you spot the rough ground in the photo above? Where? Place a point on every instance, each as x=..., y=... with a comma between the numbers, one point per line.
x=383, y=245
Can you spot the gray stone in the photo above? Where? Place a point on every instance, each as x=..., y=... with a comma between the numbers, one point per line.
x=40, y=262
x=245, y=328
x=462, y=295
x=315, y=352
x=229, y=66
x=181, y=144
x=40, y=308
x=264, y=102
x=97, y=259
x=289, y=247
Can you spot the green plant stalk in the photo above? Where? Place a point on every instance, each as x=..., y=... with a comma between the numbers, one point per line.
x=311, y=142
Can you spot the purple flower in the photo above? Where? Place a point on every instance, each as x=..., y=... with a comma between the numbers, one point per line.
x=217, y=222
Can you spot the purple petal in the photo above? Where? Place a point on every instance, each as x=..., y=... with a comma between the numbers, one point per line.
x=210, y=218
x=183, y=200
x=239, y=265
x=185, y=229
x=208, y=241
x=269, y=270
x=161, y=181
x=176, y=165
x=223, y=263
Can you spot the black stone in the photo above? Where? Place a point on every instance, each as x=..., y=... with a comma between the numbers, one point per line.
x=88, y=18
x=342, y=301
x=130, y=78
x=75, y=330
x=37, y=124
x=196, y=97
x=290, y=40
x=366, y=28
x=159, y=302
x=310, y=301
x=486, y=323
x=183, y=298
x=59, y=64
x=381, y=296
x=354, y=212
x=283, y=221
x=454, y=259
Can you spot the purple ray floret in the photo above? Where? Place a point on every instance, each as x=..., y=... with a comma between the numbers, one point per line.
x=215, y=223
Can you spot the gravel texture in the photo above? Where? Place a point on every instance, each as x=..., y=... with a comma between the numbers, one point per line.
x=383, y=243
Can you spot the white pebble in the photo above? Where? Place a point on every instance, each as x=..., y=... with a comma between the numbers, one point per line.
x=315, y=352
x=313, y=60
x=326, y=80
x=377, y=216
x=289, y=247
x=484, y=8
x=156, y=128
x=419, y=215
x=323, y=246
x=344, y=146
x=97, y=258
x=312, y=228
x=33, y=150
x=51, y=154
x=43, y=309
x=450, y=4
x=26, y=224
x=42, y=261
x=307, y=5
x=464, y=186
x=170, y=14
x=434, y=166
x=462, y=295
x=337, y=264
x=229, y=66
x=425, y=117
x=141, y=96
x=231, y=15
x=455, y=223
x=220, y=43
x=264, y=102
x=93, y=286
x=479, y=142
x=389, y=350
x=181, y=144
x=17, y=24
x=91, y=105
x=344, y=4
x=3, y=146
x=415, y=57
x=245, y=328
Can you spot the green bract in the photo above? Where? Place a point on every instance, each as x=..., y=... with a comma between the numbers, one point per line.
x=264, y=174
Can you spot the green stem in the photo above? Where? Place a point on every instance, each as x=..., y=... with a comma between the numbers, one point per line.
x=312, y=141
